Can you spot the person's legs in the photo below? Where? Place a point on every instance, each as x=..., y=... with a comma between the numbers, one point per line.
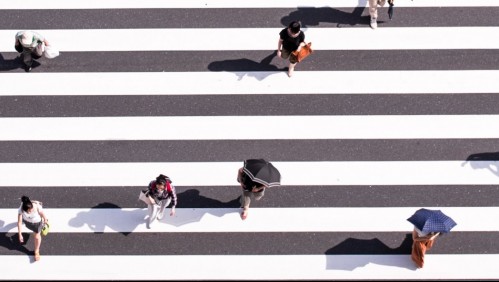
x=38, y=242
x=292, y=63
x=373, y=12
x=153, y=210
x=27, y=59
x=245, y=201
x=162, y=208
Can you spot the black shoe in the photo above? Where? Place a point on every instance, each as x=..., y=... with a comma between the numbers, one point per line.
x=27, y=68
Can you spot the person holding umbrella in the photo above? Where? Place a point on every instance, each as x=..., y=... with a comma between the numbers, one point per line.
x=428, y=224
x=254, y=177
x=422, y=242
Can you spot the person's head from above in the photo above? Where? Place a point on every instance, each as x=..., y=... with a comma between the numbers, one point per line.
x=27, y=205
x=294, y=27
x=27, y=38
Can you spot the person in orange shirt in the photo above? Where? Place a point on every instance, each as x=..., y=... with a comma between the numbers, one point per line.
x=422, y=242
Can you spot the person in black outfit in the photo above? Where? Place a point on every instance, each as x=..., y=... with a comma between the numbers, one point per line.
x=250, y=189
x=290, y=39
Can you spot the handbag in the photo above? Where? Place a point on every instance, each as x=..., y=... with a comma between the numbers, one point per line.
x=144, y=198
x=45, y=229
x=50, y=52
x=304, y=52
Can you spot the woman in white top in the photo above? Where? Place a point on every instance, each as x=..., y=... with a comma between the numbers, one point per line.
x=31, y=214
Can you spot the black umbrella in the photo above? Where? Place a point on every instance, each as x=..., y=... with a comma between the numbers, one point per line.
x=432, y=221
x=390, y=10
x=262, y=171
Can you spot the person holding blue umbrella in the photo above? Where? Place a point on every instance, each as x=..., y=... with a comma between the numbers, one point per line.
x=428, y=225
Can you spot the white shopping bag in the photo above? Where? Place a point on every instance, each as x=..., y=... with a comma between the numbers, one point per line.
x=50, y=52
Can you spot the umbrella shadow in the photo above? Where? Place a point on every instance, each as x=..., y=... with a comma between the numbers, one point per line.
x=11, y=242
x=98, y=223
x=312, y=16
x=204, y=205
x=246, y=67
x=486, y=160
x=353, y=253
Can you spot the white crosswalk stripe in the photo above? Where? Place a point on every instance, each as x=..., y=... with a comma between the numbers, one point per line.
x=293, y=232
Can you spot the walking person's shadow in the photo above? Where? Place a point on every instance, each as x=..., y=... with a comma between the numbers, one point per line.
x=246, y=67
x=14, y=63
x=486, y=160
x=204, y=205
x=116, y=219
x=10, y=64
x=311, y=16
x=10, y=241
x=353, y=253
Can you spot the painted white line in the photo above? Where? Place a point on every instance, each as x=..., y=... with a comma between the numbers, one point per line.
x=270, y=267
x=187, y=39
x=348, y=219
x=223, y=83
x=138, y=4
x=224, y=173
x=268, y=127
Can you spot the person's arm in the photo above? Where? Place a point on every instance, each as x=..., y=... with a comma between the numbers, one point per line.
x=19, y=227
x=302, y=41
x=174, y=199
x=150, y=192
x=44, y=218
x=239, y=175
x=279, y=47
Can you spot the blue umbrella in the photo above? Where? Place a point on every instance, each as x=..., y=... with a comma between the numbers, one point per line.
x=432, y=221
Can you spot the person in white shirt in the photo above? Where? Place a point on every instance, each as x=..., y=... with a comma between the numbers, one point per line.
x=31, y=45
x=32, y=215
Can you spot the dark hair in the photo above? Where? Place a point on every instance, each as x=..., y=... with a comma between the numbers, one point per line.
x=27, y=204
x=162, y=179
x=295, y=26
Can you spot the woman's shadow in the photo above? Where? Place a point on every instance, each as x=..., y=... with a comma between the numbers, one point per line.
x=119, y=220
x=246, y=67
x=10, y=241
x=353, y=253
x=116, y=219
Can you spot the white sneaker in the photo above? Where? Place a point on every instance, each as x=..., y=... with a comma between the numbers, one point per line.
x=160, y=216
x=374, y=23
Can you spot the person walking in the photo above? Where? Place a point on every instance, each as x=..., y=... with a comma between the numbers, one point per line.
x=32, y=215
x=373, y=11
x=160, y=193
x=31, y=45
x=290, y=39
x=422, y=242
x=250, y=189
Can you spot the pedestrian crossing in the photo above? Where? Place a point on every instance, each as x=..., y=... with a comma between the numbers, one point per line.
x=373, y=126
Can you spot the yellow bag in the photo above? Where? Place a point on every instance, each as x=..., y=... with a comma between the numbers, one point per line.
x=45, y=229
